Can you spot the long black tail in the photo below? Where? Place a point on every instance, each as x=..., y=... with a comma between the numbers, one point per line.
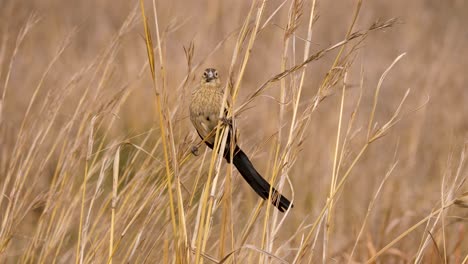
x=256, y=181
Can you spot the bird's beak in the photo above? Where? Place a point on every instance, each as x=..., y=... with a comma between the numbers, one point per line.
x=210, y=77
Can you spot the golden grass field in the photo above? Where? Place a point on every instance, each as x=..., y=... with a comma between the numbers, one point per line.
x=360, y=116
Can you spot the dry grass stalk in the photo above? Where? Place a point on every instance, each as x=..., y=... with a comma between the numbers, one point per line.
x=89, y=174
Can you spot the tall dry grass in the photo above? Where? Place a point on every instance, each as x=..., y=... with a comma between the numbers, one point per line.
x=356, y=110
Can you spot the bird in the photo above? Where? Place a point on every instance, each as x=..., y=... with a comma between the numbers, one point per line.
x=205, y=106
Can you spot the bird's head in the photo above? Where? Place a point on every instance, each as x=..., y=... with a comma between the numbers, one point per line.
x=210, y=75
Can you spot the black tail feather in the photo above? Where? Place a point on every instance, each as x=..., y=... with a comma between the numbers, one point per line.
x=256, y=181
x=253, y=178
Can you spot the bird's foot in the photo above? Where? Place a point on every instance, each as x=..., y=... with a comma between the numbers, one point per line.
x=226, y=121
x=194, y=150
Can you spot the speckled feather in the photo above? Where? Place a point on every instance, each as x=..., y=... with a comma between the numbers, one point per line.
x=204, y=109
x=204, y=113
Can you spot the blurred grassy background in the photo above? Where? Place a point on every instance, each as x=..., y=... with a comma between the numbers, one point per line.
x=427, y=143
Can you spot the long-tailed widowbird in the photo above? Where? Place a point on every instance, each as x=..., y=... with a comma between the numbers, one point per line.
x=204, y=114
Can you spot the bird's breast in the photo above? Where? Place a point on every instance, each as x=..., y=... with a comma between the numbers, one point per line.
x=204, y=110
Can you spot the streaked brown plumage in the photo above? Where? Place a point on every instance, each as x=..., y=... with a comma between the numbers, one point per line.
x=205, y=105
x=204, y=114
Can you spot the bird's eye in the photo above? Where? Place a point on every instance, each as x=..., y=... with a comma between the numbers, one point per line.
x=204, y=74
x=216, y=74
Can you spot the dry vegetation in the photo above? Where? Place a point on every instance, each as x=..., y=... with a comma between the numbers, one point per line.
x=359, y=117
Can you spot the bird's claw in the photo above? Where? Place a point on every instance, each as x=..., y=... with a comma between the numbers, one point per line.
x=194, y=150
x=226, y=121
